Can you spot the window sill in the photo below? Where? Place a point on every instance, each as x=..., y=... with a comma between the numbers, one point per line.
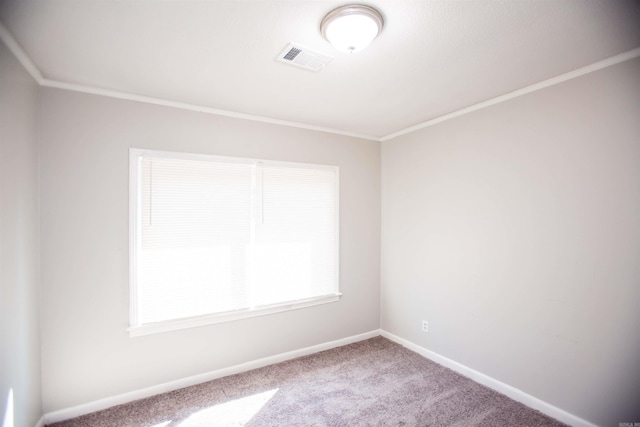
x=209, y=319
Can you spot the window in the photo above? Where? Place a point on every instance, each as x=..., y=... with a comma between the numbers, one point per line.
x=217, y=238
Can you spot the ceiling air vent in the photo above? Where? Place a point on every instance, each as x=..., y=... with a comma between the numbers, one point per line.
x=303, y=57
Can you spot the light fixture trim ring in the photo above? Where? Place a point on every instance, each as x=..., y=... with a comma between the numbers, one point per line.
x=351, y=9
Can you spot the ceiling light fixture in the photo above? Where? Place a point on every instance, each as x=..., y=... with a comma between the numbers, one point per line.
x=351, y=28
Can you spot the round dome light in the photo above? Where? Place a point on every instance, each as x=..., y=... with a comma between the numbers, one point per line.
x=351, y=28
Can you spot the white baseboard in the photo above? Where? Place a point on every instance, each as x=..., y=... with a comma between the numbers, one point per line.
x=40, y=422
x=87, y=408
x=512, y=392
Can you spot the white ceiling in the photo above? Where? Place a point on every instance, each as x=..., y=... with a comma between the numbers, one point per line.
x=432, y=57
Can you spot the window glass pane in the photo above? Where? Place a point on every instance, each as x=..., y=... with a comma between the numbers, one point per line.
x=195, y=225
x=218, y=235
x=296, y=235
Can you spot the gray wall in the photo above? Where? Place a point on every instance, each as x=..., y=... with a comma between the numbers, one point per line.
x=515, y=231
x=86, y=351
x=19, y=271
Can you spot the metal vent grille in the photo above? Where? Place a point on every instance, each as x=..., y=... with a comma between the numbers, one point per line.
x=292, y=54
x=303, y=57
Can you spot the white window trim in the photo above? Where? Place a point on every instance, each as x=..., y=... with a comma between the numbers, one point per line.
x=210, y=319
x=176, y=324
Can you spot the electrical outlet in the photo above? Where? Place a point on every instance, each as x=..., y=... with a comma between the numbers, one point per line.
x=425, y=326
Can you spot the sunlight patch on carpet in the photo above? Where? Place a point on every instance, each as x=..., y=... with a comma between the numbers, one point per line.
x=233, y=413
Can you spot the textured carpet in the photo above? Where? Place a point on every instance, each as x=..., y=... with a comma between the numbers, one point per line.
x=370, y=383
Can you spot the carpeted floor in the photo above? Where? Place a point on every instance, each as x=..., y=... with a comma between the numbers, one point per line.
x=370, y=383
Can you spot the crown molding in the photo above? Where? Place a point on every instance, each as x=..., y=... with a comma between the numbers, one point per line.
x=28, y=64
x=199, y=108
x=631, y=54
x=31, y=68
x=20, y=54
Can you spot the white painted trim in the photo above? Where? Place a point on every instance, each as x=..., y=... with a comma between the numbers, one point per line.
x=509, y=391
x=20, y=54
x=199, y=108
x=86, y=408
x=40, y=422
x=134, y=232
x=211, y=319
x=137, y=328
x=499, y=386
x=24, y=59
x=28, y=64
x=634, y=53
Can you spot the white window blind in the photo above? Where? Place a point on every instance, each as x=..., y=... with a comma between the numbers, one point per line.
x=215, y=238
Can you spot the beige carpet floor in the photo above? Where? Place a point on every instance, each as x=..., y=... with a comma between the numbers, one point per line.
x=370, y=383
